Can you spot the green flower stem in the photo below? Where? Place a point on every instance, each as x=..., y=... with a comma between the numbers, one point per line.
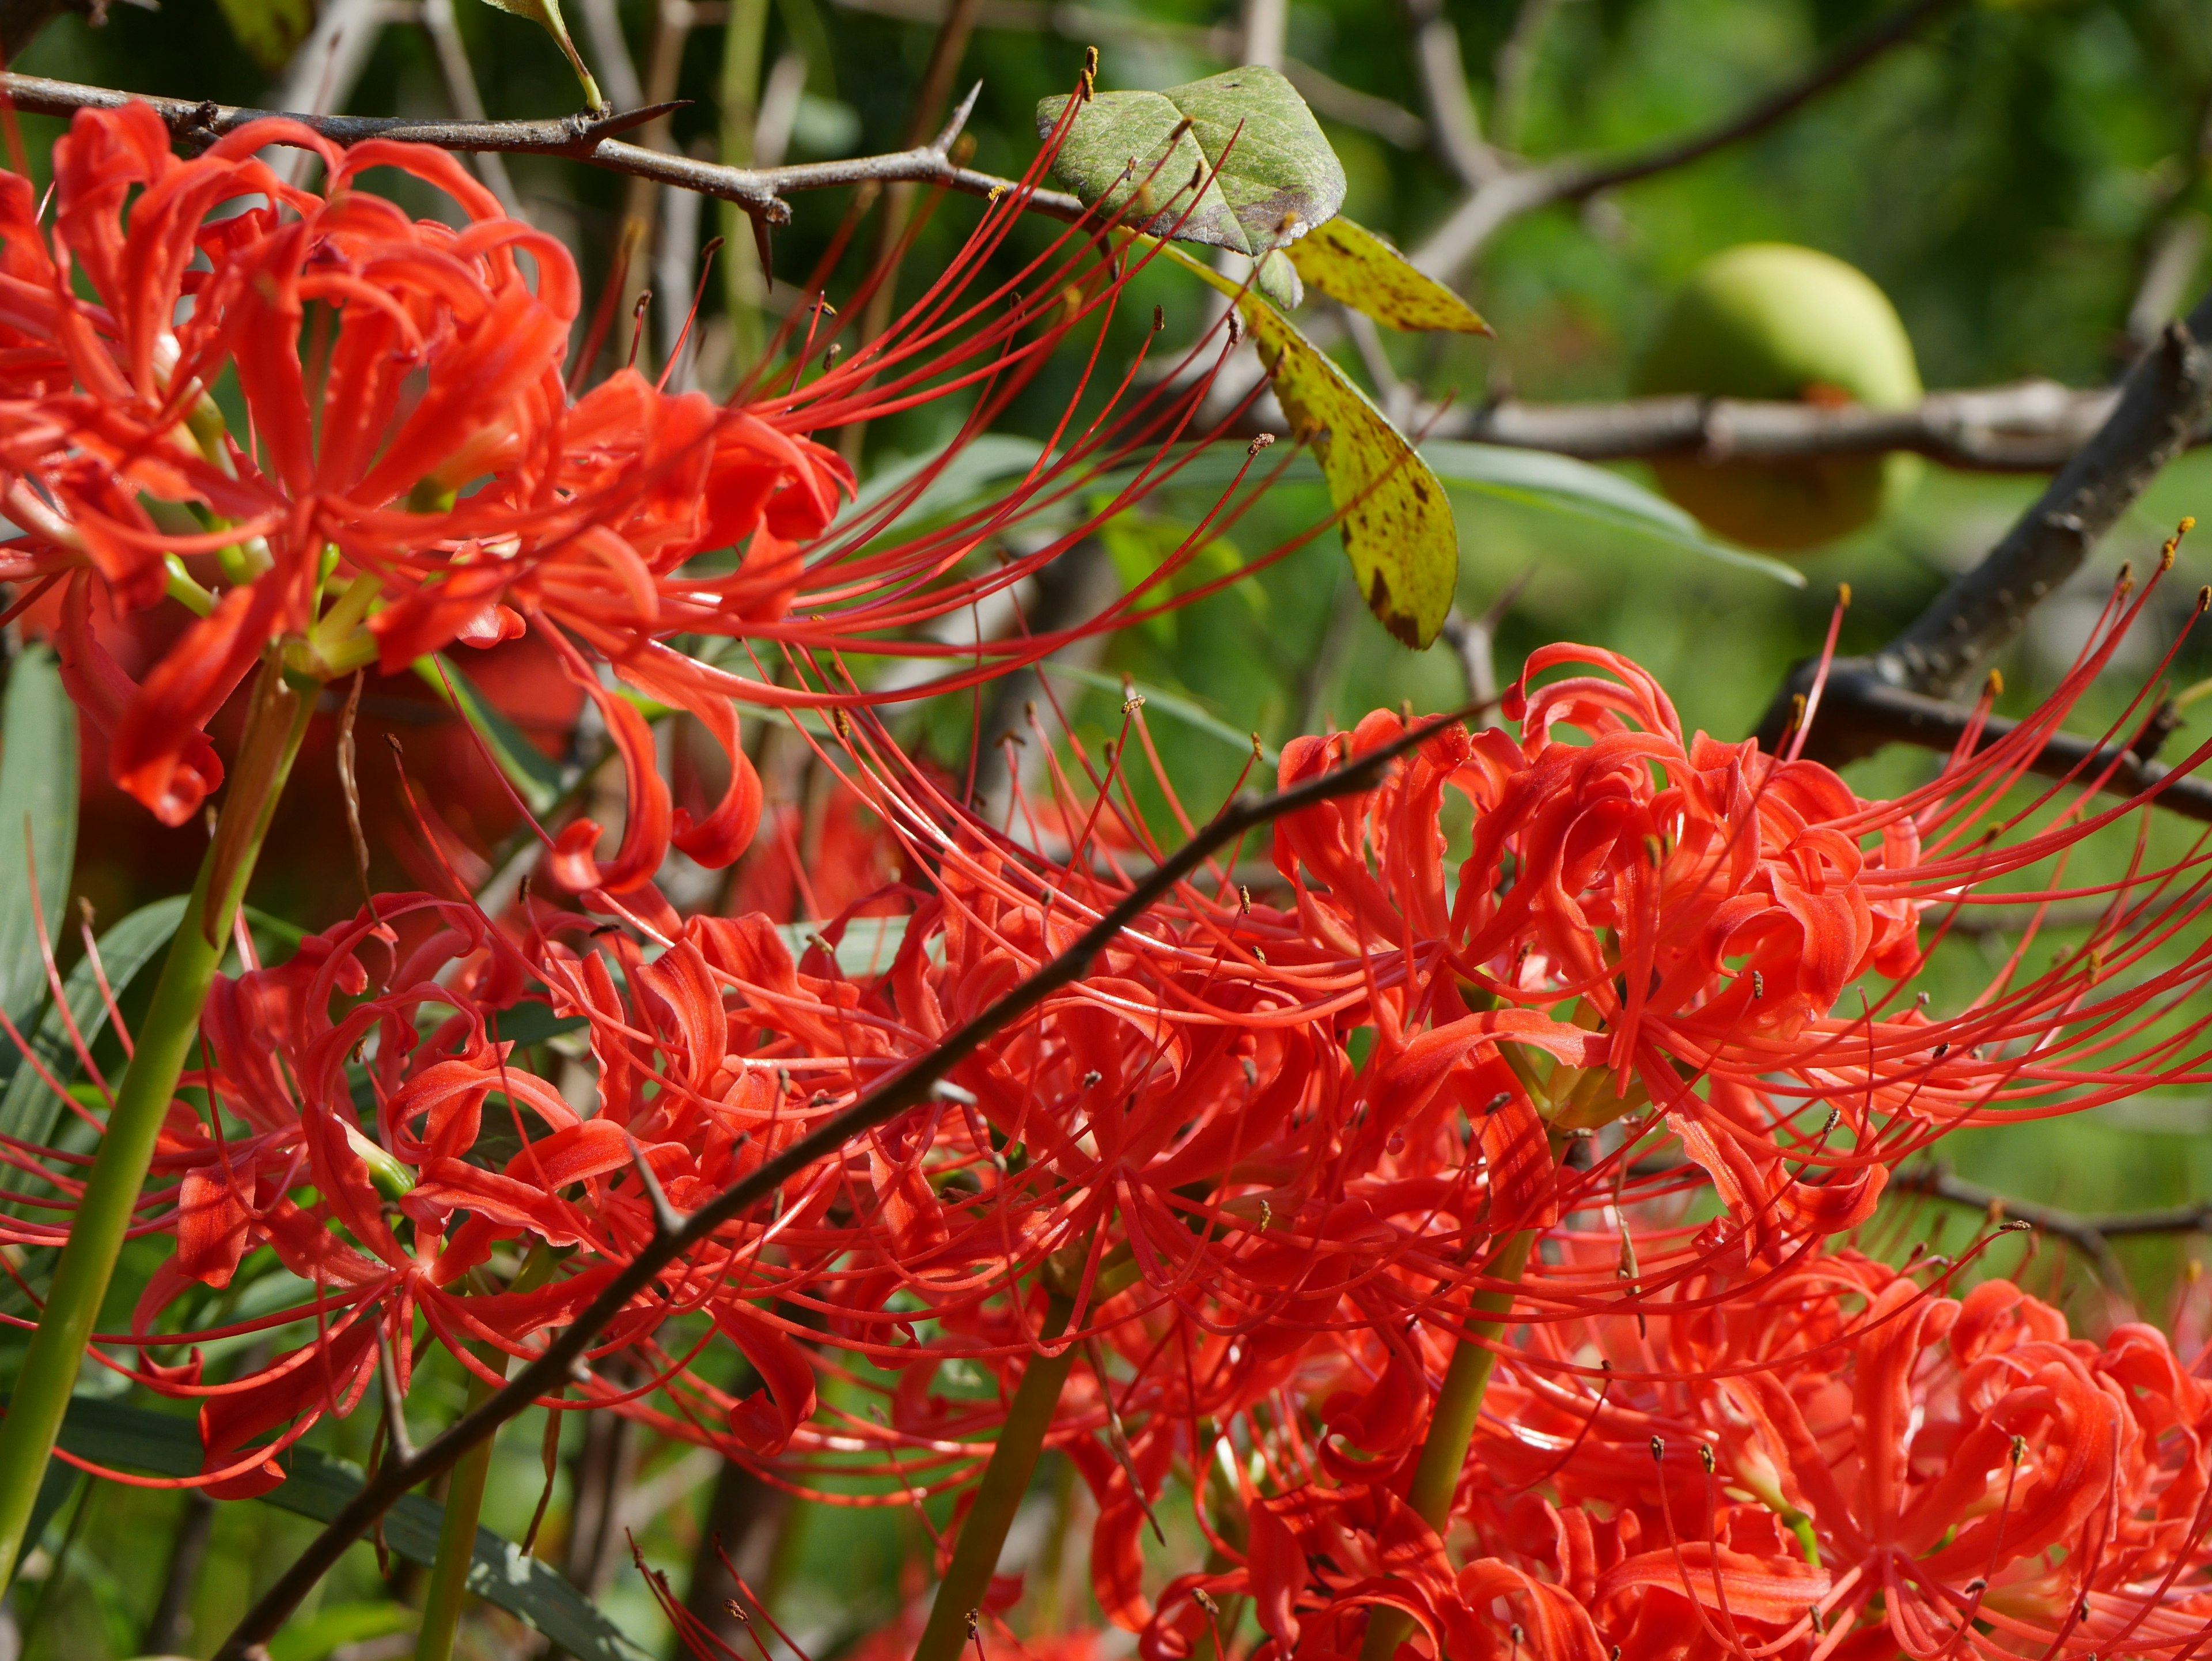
x=278, y=722
x=457, y=1541
x=1451, y=1429
x=465, y=1490
x=1005, y=1481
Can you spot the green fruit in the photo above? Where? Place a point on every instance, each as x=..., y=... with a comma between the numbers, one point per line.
x=1768, y=320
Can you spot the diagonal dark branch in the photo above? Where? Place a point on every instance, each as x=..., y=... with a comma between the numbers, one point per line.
x=549, y=1373
x=1859, y=712
x=1898, y=694
x=2162, y=404
x=759, y=192
x=1576, y=178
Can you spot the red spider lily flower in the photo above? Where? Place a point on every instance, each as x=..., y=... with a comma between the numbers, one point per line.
x=1647, y=920
x=1834, y=1460
x=411, y=472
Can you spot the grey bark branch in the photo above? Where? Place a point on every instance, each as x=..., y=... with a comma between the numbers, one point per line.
x=1453, y=121
x=758, y=190
x=1447, y=253
x=1936, y=1178
x=549, y=1373
x=2088, y=1235
x=2030, y=426
x=1859, y=712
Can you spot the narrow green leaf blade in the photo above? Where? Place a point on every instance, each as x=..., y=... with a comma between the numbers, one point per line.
x=536, y=778
x=1561, y=484
x=37, y=822
x=29, y=1109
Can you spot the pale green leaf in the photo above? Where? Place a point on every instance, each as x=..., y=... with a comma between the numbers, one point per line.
x=1276, y=166
x=29, y=1109
x=1351, y=264
x=1276, y=276
x=1131, y=153
x=1252, y=169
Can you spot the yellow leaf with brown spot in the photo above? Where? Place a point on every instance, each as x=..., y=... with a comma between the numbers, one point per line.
x=1350, y=262
x=1395, y=517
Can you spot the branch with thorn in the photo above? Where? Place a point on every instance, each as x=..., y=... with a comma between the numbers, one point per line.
x=593, y=139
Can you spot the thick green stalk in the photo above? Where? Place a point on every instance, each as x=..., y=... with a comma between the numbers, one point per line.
x=165, y=1041
x=1451, y=1430
x=465, y=1492
x=457, y=1541
x=1005, y=1481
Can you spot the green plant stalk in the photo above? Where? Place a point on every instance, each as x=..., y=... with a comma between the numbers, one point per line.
x=278, y=722
x=447, y=1591
x=1005, y=1481
x=1451, y=1430
x=457, y=1541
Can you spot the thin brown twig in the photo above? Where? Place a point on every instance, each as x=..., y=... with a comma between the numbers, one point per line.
x=550, y=1371
x=588, y=138
x=1576, y=178
x=2091, y=1233
x=1089, y=25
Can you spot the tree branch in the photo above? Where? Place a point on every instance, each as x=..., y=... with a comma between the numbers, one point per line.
x=1899, y=695
x=759, y=192
x=549, y=1373
x=2090, y=1234
x=2030, y=426
x=1860, y=711
x=2162, y=404
x=1447, y=253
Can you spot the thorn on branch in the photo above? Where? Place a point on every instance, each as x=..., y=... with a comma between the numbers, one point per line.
x=667, y=1220
x=943, y=143
x=395, y=1405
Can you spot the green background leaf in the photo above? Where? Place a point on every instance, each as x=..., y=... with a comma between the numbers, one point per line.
x=37, y=783
x=29, y=1109
x=318, y=1486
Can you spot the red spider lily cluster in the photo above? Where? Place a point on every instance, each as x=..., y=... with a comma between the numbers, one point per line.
x=1634, y=1058
x=1572, y=1054
x=313, y=420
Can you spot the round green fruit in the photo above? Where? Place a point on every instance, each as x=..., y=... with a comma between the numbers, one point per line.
x=1768, y=320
